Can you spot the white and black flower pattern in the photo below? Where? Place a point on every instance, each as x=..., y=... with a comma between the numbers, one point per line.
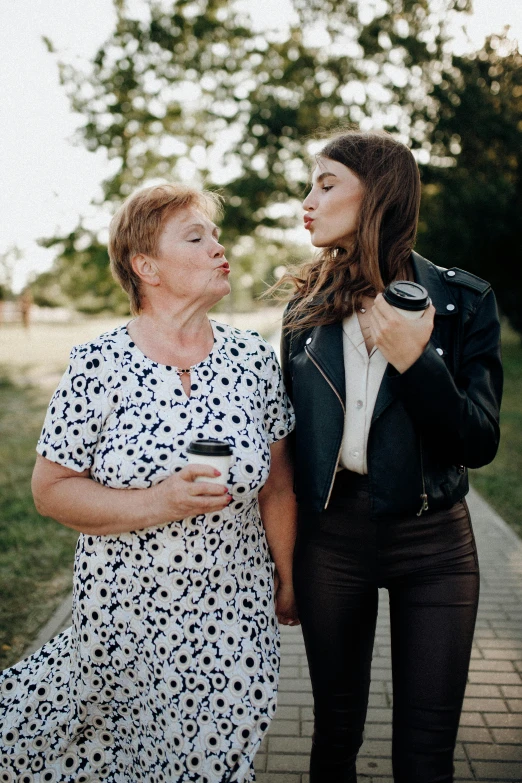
x=169, y=671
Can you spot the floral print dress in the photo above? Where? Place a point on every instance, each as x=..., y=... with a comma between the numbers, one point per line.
x=170, y=669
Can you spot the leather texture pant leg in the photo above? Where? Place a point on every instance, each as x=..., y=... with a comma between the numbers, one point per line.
x=430, y=568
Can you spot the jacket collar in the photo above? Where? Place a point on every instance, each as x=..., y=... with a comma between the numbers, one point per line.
x=432, y=278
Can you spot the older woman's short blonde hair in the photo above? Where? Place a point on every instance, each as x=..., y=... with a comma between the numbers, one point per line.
x=137, y=225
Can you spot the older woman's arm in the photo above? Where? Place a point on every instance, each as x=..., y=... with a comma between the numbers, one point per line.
x=75, y=500
x=279, y=514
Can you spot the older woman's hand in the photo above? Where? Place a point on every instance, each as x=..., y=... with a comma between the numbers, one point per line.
x=285, y=606
x=400, y=340
x=181, y=496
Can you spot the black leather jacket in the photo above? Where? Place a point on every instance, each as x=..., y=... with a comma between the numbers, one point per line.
x=429, y=424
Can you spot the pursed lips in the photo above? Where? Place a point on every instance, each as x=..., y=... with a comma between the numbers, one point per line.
x=308, y=221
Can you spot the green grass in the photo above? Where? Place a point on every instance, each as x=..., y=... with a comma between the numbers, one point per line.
x=36, y=554
x=501, y=482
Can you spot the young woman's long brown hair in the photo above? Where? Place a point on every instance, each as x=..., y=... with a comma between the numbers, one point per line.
x=330, y=287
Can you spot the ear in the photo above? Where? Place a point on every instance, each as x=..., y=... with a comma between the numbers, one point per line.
x=146, y=269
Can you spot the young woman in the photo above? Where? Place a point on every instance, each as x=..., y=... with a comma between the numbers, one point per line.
x=390, y=414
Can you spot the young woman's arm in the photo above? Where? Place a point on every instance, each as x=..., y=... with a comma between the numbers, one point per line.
x=459, y=415
x=76, y=501
x=279, y=514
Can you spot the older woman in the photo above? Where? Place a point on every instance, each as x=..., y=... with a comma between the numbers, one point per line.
x=170, y=669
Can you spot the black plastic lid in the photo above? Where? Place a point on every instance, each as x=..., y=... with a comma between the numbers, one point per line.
x=210, y=448
x=407, y=295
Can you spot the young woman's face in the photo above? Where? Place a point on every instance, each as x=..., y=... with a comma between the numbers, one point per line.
x=333, y=204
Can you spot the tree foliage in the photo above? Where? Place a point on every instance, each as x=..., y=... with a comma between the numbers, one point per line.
x=472, y=209
x=192, y=90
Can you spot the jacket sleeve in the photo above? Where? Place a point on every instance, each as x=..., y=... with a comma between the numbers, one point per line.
x=460, y=415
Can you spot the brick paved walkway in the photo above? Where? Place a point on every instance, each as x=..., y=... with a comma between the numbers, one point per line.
x=490, y=739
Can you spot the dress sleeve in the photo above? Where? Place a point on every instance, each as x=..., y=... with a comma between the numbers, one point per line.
x=279, y=413
x=74, y=416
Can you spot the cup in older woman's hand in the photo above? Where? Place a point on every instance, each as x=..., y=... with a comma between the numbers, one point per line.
x=216, y=453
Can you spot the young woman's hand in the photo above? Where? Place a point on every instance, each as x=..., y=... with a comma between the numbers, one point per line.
x=400, y=340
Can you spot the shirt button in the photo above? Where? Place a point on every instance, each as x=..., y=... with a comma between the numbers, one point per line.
x=451, y=273
x=440, y=351
x=309, y=341
x=359, y=404
x=450, y=307
x=355, y=453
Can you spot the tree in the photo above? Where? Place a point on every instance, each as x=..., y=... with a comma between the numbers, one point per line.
x=472, y=209
x=192, y=90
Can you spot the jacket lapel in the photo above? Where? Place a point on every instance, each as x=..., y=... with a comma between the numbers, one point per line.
x=326, y=348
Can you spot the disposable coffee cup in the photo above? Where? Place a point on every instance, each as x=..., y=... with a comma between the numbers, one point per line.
x=216, y=453
x=409, y=299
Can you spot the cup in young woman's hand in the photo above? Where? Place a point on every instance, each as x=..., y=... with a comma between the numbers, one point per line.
x=411, y=300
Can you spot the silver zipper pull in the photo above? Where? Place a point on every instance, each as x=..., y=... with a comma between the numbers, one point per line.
x=424, y=506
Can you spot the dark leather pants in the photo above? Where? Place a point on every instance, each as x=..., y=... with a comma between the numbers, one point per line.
x=429, y=566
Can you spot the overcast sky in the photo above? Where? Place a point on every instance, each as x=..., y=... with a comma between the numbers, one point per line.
x=47, y=181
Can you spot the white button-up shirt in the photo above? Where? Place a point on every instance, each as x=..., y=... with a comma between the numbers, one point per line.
x=363, y=374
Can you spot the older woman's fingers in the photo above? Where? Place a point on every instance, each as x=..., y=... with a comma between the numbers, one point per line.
x=192, y=472
x=197, y=488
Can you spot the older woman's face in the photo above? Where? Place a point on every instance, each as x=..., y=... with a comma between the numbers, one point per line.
x=191, y=262
x=333, y=204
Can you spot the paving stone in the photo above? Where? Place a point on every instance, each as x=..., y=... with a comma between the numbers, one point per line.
x=513, y=736
x=289, y=671
x=287, y=713
x=471, y=719
x=378, y=748
x=473, y=734
x=500, y=644
x=286, y=728
x=383, y=715
x=503, y=720
x=462, y=771
x=491, y=666
x=377, y=730
x=514, y=705
x=494, y=752
x=511, y=691
x=290, y=745
x=483, y=691
x=496, y=772
x=280, y=762
x=294, y=684
x=260, y=762
x=294, y=698
x=485, y=705
x=374, y=766
x=499, y=678
x=271, y=777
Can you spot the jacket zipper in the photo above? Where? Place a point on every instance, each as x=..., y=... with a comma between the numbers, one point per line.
x=344, y=412
x=424, y=496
